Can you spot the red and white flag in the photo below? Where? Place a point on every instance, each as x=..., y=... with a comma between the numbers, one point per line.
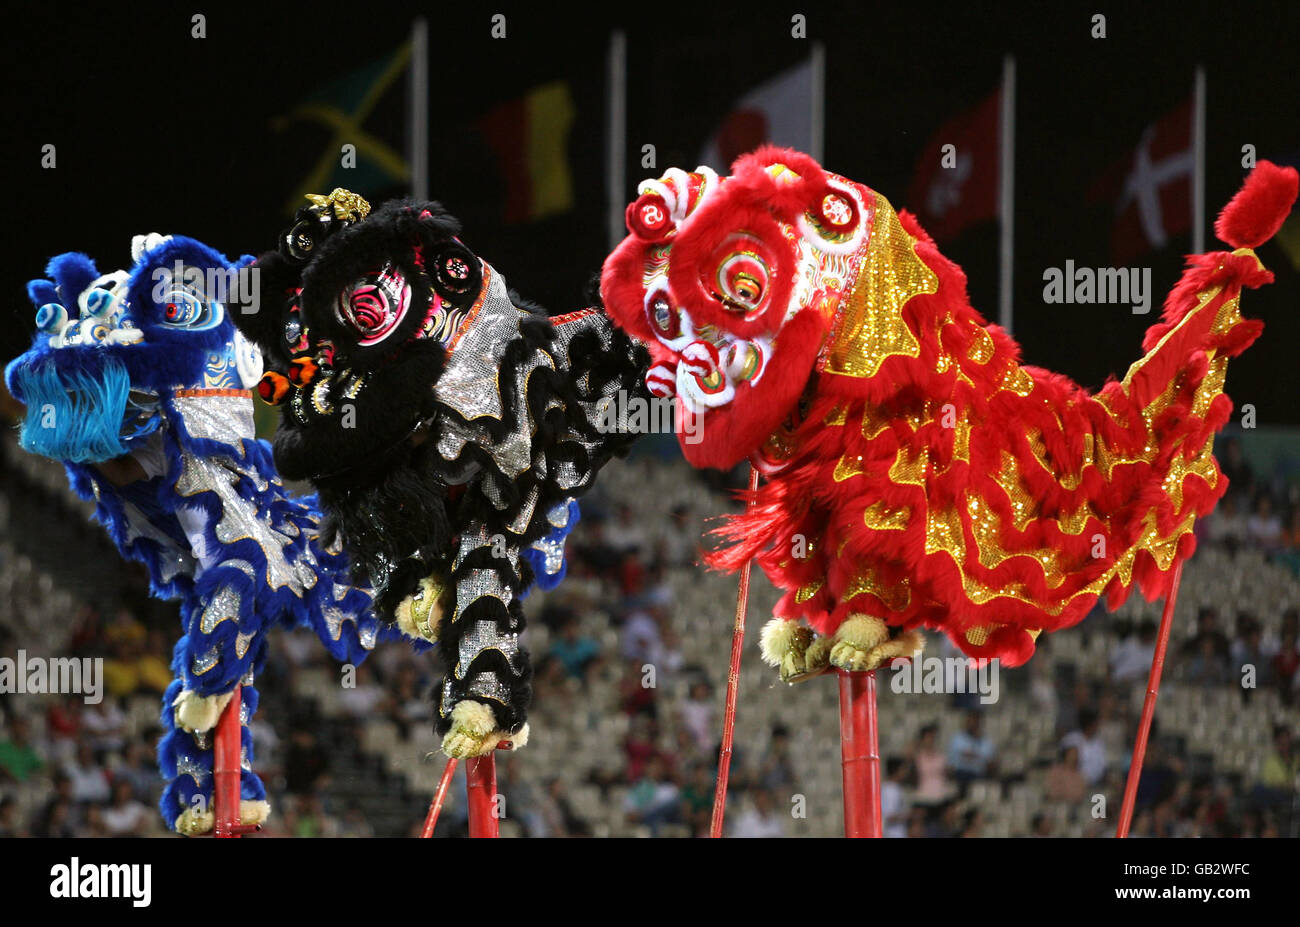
x=778, y=111
x=956, y=188
x=1151, y=187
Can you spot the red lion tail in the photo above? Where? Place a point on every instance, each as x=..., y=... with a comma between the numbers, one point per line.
x=1260, y=207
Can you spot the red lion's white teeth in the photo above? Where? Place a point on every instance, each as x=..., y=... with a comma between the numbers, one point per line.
x=661, y=381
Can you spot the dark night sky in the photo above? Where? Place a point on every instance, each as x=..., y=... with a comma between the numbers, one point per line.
x=157, y=131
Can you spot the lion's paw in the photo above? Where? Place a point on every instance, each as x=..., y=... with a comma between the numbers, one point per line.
x=862, y=642
x=419, y=615
x=793, y=649
x=474, y=732
x=196, y=713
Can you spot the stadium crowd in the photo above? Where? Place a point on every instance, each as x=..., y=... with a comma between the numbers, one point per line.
x=619, y=662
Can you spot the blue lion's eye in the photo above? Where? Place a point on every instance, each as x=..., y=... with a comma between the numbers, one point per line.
x=183, y=308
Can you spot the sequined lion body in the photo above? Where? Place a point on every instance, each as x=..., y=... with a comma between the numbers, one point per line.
x=139, y=384
x=449, y=427
x=916, y=474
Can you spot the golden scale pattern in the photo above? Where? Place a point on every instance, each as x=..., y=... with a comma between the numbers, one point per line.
x=871, y=329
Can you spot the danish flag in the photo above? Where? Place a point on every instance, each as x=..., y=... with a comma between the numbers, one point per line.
x=1152, y=187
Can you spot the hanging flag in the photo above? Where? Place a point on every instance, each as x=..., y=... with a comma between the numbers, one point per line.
x=954, y=188
x=1151, y=187
x=530, y=137
x=779, y=111
x=343, y=108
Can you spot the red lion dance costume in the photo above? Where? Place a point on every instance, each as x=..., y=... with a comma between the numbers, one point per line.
x=916, y=474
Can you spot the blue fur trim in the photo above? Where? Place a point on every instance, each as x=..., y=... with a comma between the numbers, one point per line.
x=71, y=272
x=537, y=558
x=77, y=414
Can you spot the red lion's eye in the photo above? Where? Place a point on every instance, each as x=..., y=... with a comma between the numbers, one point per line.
x=742, y=281
x=665, y=320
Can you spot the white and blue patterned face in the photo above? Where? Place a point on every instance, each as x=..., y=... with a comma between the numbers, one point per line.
x=109, y=347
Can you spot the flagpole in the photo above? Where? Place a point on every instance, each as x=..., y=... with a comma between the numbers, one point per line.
x=1198, y=163
x=818, y=142
x=1006, y=190
x=616, y=135
x=419, y=115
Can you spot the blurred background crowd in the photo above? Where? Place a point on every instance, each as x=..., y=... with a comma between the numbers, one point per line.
x=631, y=663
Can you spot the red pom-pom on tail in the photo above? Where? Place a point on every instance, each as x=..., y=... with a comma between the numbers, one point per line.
x=1260, y=207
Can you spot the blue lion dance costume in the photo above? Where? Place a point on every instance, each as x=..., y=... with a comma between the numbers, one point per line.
x=138, y=381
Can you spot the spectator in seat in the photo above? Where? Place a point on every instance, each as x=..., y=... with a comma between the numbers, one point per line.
x=1091, y=746
x=89, y=780
x=1286, y=667
x=10, y=826
x=1233, y=463
x=1264, y=527
x=929, y=769
x=18, y=756
x=1277, y=777
x=894, y=809
x=1208, y=667
x=971, y=755
x=573, y=649
x=777, y=770
x=1207, y=627
x=763, y=818
x=1064, y=782
x=1132, y=658
x=653, y=800
x=697, y=800
x=1226, y=525
x=697, y=715
x=125, y=816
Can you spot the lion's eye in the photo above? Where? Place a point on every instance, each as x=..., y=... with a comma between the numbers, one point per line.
x=375, y=305
x=742, y=280
x=293, y=328
x=664, y=319
x=186, y=308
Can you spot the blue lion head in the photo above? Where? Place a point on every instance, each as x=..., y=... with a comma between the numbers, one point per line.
x=108, y=347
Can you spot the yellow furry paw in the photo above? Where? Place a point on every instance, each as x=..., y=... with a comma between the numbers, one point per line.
x=420, y=614
x=787, y=646
x=194, y=712
x=862, y=642
x=474, y=732
x=195, y=821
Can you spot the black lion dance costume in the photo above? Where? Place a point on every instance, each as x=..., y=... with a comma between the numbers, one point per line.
x=448, y=427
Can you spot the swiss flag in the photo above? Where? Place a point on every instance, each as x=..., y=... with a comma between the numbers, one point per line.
x=950, y=193
x=778, y=111
x=1151, y=187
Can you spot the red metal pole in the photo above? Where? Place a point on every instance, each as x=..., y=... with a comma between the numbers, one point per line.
x=439, y=796
x=481, y=780
x=860, y=754
x=226, y=751
x=733, y=688
x=1149, y=705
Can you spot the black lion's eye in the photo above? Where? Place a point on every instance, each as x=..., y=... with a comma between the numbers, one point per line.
x=300, y=240
x=292, y=328
x=456, y=271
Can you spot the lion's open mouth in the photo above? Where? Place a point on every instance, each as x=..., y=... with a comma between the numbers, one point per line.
x=84, y=414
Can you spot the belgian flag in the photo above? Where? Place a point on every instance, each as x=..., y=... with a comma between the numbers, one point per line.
x=529, y=136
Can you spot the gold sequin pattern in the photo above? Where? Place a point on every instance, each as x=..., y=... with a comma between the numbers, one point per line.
x=869, y=326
